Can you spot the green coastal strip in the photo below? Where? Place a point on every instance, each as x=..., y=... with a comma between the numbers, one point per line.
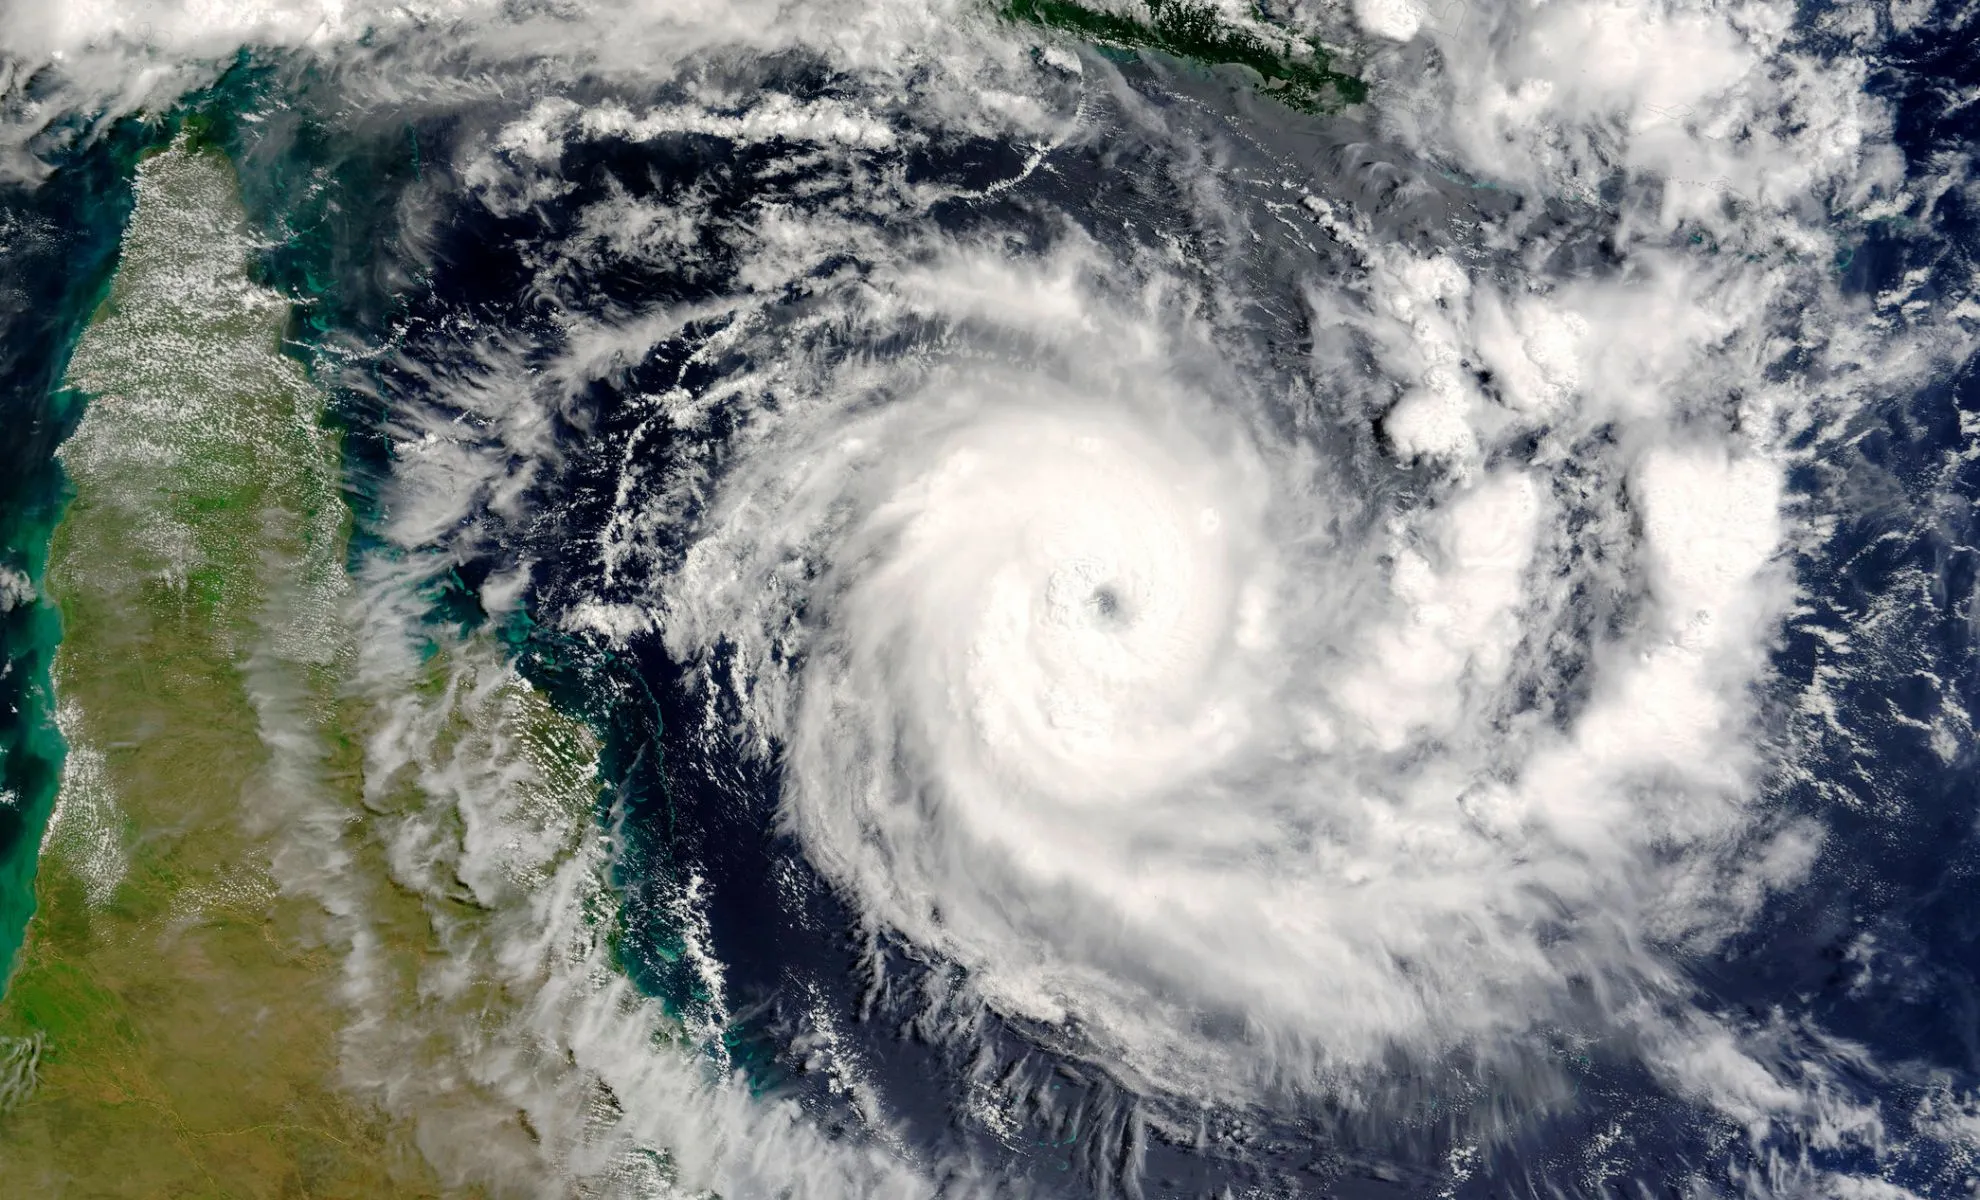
x=1295, y=69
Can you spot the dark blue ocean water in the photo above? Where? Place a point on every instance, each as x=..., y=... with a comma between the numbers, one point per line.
x=1880, y=947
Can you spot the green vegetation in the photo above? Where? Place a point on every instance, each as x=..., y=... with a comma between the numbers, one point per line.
x=1295, y=71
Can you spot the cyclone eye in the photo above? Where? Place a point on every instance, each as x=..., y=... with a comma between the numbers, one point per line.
x=1107, y=606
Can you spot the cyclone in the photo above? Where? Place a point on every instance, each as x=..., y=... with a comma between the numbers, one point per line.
x=1083, y=677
